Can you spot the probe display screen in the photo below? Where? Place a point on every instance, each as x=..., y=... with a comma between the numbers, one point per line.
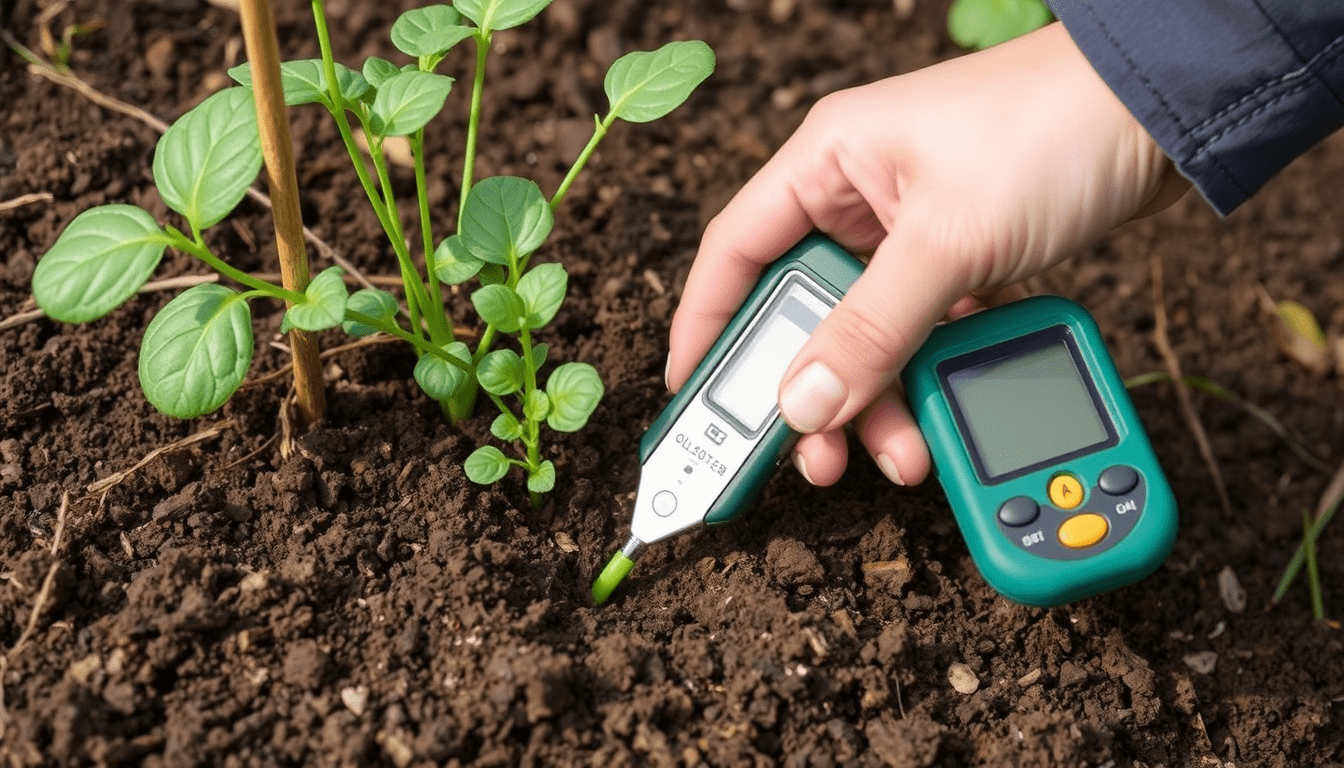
x=746, y=389
x=1025, y=404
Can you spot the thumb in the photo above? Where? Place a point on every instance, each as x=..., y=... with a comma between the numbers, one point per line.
x=863, y=344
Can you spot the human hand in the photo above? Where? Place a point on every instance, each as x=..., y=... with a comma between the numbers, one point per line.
x=958, y=179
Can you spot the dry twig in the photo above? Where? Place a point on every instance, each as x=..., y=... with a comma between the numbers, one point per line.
x=39, y=604
x=107, y=483
x=28, y=199
x=1187, y=405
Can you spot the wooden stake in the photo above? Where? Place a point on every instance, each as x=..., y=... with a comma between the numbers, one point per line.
x=263, y=51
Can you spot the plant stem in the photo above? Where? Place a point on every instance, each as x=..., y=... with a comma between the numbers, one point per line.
x=392, y=329
x=384, y=209
x=473, y=121
x=532, y=432
x=199, y=249
x=600, y=128
x=416, y=297
x=263, y=50
x=440, y=328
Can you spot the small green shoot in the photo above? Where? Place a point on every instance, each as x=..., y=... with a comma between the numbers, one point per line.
x=1330, y=499
x=196, y=352
x=1325, y=512
x=1313, y=570
x=980, y=24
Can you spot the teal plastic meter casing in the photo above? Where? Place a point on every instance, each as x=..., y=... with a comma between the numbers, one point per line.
x=820, y=271
x=1044, y=461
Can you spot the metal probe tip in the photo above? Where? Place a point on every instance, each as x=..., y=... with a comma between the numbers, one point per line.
x=618, y=567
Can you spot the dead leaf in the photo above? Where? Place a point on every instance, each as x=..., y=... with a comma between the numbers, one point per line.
x=1300, y=337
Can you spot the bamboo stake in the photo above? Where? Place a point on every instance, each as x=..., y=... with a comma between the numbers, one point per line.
x=263, y=51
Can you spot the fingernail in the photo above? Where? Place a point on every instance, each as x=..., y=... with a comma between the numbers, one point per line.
x=667, y=374
x=800, y=464
x=812, y=398
x=888, y=468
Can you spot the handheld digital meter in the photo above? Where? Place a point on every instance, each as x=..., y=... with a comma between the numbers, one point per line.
x=1034, y=439
x=712, y=449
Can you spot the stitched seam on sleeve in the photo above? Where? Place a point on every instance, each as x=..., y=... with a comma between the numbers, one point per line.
x=1327, y=53
x=1204, y=145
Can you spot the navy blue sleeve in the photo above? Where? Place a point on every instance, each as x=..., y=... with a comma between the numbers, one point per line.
x=1232, y=90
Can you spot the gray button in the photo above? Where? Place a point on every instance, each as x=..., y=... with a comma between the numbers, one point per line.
x=1118, y=480
x=664, y=503
x=1019, y=511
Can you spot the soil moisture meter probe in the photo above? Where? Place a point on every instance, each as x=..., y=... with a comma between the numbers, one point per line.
x=1034, y=439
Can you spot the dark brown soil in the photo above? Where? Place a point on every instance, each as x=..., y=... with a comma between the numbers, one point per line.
x=361, y=603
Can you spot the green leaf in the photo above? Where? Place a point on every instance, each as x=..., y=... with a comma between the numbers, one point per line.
x=428, y=31
x=645, y=85
x=196, y=351
x=506, y=218
x=979, y=24
x=372, y=302
x=205, y=161
x=506, y=427
x=500, y=306
x=492, y=274
x=575, y=390
x=305, y=81
x=542, y=290
x=325, y=307
x=539, y=355
x=407, y=101
x=536, y=405
x=486, y=464
x=378, y=71
x=101, y=259
x=491, y=15
x=543, y=480
x=440, y=378
x=500, y=372
x=453, y=263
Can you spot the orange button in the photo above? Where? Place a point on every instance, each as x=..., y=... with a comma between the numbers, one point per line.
x=1065, y=491
x=1083, y=530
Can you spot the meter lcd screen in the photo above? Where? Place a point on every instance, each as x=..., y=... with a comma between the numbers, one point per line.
x=1025, y=404
x=745, y=391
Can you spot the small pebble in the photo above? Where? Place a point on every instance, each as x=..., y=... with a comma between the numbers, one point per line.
x=355, y=698
x=962, y=678
x=1230, y=589
x=1202, y=662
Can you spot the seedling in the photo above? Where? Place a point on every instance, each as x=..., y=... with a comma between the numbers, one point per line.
x=979, y=24
x=197, y=350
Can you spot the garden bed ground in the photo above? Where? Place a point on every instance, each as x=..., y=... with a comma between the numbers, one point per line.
x=359, y=602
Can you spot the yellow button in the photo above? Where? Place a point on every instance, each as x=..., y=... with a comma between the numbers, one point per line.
x=1065, y=491
x=1083, y=530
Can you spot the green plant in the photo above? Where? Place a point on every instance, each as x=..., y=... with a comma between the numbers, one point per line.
x=979, y=24
x=196, y=351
